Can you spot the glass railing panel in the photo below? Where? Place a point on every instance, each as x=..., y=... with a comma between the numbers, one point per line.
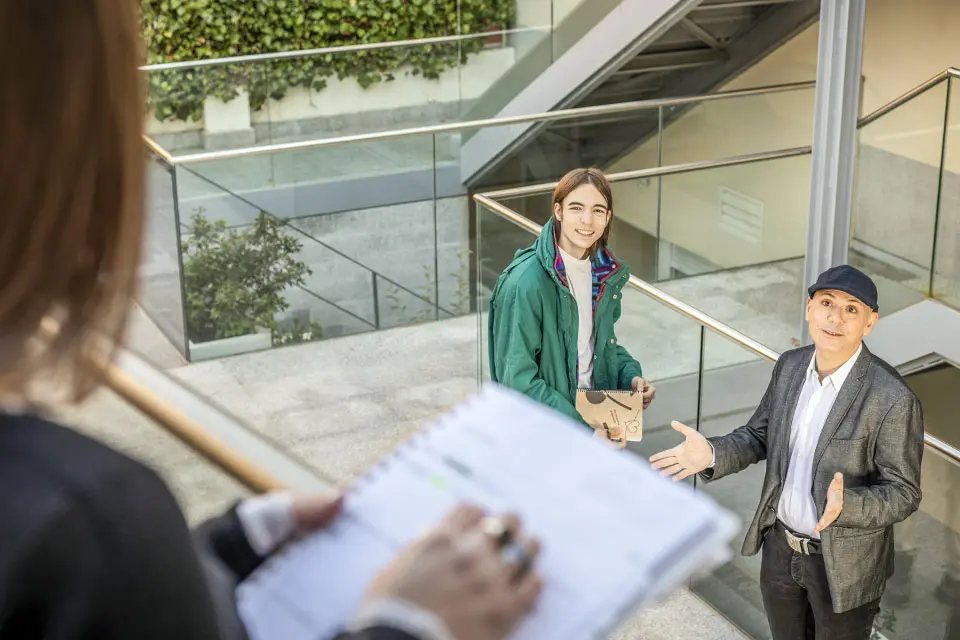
x=160, y=295
x=550, y=27
x=398, y=306
x=175, y=105
x=383, y=89
x=496, y=242
x=254, y=281
x=666, y=343
x=922, y=599
x=715, y=222
x=634, y=234
x=734, y=381
x=584, y=140
x=946, y=279
x=723, y=128
x=335, y=178
x=333, y=93
x=898, y=177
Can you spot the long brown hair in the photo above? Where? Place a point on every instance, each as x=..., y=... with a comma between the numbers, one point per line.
x=575, y=179
x=71, y=175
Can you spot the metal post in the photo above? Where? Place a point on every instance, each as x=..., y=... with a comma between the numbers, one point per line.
x=834, y=139
x=700, y=376
x=657, y=274
x=180, y=260
x=376, y=301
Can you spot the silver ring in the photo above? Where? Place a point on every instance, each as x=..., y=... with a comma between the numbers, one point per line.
x=514, y=555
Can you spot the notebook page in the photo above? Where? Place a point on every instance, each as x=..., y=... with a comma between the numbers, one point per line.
x=613, y=532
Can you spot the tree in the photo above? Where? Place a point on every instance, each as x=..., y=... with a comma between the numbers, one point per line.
x=234, y=279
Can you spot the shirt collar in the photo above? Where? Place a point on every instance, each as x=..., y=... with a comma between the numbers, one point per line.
x=838, y=377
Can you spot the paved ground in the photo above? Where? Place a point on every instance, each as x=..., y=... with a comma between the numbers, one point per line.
x=343, y=404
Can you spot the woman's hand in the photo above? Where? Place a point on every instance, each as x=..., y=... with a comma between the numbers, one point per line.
x=271, y=520
x=649, y=391
x=458, y=573
x=314, y=512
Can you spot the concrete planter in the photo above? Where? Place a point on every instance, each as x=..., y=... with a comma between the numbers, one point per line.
x=227, y=124
x=231, y=346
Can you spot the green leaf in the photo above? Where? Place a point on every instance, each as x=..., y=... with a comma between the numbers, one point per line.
x=176, y=30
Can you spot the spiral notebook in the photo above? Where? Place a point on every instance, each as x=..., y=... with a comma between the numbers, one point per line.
x=504, y=452
x=612, y=410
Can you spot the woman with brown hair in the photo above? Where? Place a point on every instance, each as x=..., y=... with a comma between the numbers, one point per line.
x=553, y=309
x=92, y=543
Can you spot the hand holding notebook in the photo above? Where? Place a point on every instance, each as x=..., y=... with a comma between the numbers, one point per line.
x=617, y=414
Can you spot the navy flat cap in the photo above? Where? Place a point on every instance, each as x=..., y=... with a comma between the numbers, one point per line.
x=849, y=280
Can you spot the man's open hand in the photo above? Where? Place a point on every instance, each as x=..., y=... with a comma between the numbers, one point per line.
x=691, y=456
x=834, y=503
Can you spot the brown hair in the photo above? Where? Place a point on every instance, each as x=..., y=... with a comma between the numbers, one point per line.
x=577, y=178
x=71, y=175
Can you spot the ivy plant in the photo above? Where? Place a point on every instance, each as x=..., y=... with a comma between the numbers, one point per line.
x=182, y=30
x=234, y=278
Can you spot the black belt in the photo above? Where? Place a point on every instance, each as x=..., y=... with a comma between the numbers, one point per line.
x=798, y=542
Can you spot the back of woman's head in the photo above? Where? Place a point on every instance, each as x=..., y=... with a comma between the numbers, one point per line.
x=71, y=181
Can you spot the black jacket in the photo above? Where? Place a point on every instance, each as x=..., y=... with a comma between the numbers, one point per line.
x=94, y=545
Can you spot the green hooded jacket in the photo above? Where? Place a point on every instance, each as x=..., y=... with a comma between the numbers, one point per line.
x=533, y=324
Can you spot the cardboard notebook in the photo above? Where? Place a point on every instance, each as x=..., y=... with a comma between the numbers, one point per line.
x=612, y=410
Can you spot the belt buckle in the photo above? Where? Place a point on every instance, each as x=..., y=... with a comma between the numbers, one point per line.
x=798, y=544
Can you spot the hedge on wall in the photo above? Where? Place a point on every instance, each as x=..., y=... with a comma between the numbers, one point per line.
x=179, y=30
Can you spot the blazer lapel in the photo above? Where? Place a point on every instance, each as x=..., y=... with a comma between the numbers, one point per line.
x=794, y=387
x=848, y=393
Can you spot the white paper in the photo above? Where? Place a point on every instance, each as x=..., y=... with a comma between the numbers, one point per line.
x=613, y=533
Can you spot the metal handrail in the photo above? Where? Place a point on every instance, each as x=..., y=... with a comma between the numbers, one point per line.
x=177, y=422
x=547, y=187
x=909, y=95
x=455, y=127
x=694, y=314
x=289, y=223
x=654, y=172
x=157, y=150
x=643, y=286
x=349, y=48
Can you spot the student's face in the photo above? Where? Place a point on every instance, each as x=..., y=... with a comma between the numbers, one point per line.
x=583, y=215
x=838, y=321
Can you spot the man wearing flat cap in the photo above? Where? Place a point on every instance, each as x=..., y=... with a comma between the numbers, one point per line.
x=842, y=435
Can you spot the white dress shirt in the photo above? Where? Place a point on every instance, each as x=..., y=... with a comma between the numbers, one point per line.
x=796, y=507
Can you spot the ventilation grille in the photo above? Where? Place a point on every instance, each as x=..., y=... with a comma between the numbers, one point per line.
x=741, y=216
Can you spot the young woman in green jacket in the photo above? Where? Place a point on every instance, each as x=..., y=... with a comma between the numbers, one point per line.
x=553, y=309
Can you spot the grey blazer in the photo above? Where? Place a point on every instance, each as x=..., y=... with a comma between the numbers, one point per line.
x=873, y=436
